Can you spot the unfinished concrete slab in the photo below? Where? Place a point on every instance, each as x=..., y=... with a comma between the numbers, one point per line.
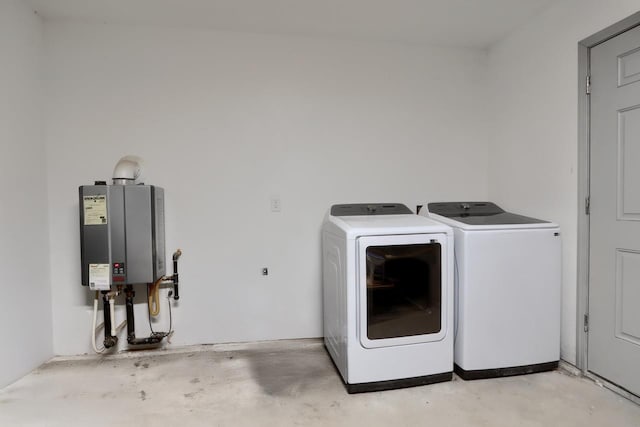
x=287, y=383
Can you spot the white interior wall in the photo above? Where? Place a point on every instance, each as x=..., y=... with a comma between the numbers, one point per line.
x=534, y=138
x=25, y=317
x=240, y=118
x=225, y=121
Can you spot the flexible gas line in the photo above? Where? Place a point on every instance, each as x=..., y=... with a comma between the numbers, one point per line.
x=153, y=290
x=154, y=296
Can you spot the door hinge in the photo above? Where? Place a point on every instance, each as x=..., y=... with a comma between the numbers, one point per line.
x=587, y=205
x=586, y=323
x=588, y=85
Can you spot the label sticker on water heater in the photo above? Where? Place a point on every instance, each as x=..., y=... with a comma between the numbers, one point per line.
x=99, y=275
x=95, y=209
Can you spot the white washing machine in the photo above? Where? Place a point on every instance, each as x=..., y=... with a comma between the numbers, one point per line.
x=508, y=278
x=388, y=296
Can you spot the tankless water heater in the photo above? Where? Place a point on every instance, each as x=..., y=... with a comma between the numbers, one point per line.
x=121, y=234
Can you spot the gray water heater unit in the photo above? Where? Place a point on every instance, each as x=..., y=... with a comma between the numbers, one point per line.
x=122, y=245
x=121, y=234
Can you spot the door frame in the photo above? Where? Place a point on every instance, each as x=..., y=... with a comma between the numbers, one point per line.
x=584, y=141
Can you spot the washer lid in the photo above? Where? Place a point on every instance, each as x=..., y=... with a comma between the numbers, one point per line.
x=480, y=214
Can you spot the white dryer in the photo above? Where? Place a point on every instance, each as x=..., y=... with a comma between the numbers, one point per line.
x=388, y=296
x=508, y=278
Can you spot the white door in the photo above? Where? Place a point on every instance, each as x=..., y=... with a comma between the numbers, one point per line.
x=614, y=276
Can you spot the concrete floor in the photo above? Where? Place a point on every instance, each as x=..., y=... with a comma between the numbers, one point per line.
x=287, y=383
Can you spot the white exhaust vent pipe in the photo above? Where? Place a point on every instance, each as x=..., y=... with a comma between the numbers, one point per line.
x=127, y=171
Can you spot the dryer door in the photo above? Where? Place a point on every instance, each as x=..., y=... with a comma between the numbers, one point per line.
x=402, y=299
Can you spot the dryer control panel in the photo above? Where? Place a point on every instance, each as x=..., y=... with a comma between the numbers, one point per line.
x=370, y=209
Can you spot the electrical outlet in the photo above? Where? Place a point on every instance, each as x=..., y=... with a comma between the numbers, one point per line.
x=275, y=204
